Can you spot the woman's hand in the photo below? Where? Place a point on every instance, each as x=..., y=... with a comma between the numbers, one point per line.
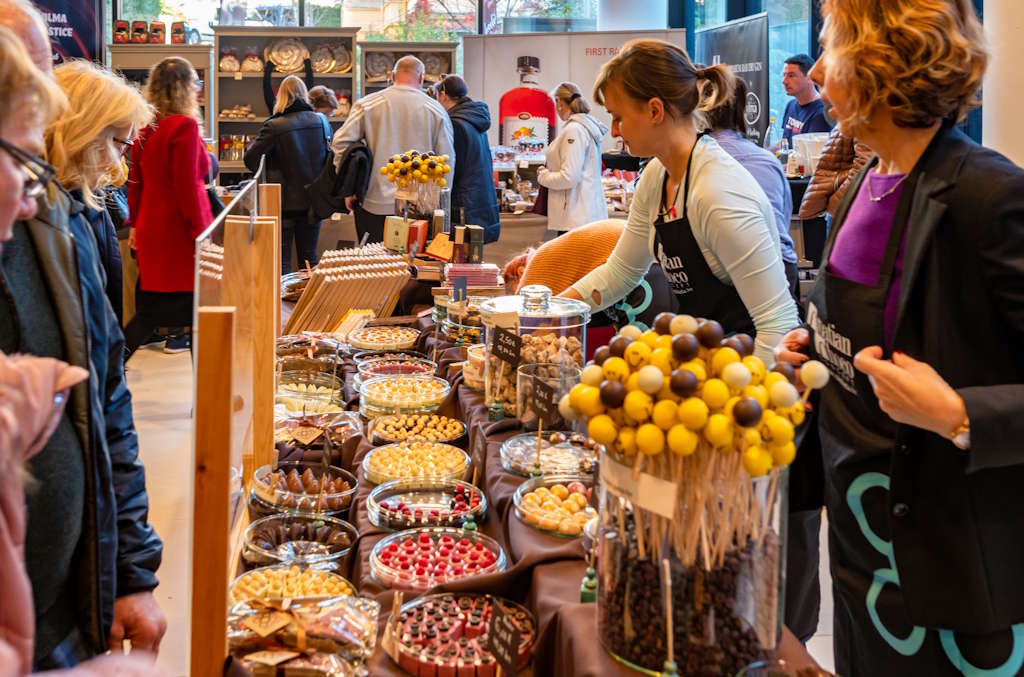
x=792, y=349
x=541, y=169
x=911, y=392
x=131, y=238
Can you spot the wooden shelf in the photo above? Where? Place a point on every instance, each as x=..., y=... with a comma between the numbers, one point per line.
x=275, y=74
x=232, y=167
x=260, y=121
x=400, y=49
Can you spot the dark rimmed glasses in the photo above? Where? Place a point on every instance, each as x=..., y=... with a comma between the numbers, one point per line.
x=37, y=173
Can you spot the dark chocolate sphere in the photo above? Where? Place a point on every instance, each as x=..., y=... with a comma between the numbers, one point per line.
x=747, y=412
x=663, y=323
x=747, y=342
x=786, y=370
x=734, y=343
x=618, y=345
x=683, y=383
x=685, y=347
x=710, y=334
x=601, y=354
x=613, y=394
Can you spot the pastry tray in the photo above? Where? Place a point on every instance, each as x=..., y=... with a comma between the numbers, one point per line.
x=408, y=504
x=451, y=554
x=570, y=453
x=299, y=539
x=568, y=526
x=455, y=470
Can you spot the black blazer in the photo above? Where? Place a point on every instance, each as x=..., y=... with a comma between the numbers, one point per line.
x=296, y=144
x=960, y=548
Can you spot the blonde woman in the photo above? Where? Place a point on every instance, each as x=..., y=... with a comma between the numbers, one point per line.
x=919, y=315
x=295, y=141
x=168, y=202
x=572, y=166
x=86, y=145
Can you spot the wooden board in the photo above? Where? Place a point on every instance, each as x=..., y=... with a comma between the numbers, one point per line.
x=237, y=291
x=266, y=321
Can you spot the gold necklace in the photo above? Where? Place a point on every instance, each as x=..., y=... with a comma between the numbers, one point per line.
x=886, y=193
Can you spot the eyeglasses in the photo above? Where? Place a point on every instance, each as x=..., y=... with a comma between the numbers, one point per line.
x=37, y=173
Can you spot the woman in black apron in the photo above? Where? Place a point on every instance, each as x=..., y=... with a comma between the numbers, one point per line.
x=921, y=422
x=695, y=210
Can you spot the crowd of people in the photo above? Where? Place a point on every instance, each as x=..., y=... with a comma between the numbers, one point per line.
x=917, y=310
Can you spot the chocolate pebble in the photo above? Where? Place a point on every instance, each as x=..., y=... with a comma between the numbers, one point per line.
x=683, y=382
x=747, y=342
x=710, y=334
x=618, y=345
x=602, y=354
x=786, y=370
x=685, y=347
x=323, y=534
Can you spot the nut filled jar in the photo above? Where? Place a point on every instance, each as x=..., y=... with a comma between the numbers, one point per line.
x=552, y=330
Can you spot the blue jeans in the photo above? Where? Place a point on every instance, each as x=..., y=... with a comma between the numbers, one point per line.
x=306, y=234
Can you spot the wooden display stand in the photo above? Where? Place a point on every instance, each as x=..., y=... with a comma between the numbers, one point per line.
x=397, y=50
x=237, y=322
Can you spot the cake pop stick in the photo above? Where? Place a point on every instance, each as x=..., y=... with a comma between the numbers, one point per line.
x=814, y=376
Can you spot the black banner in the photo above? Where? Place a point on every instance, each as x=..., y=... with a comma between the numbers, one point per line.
x=742, y=45
x=76, y=28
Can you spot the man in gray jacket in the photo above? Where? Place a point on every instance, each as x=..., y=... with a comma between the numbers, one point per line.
x=391, y=122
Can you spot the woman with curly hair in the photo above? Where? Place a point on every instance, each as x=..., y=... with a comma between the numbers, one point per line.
x=918, y=313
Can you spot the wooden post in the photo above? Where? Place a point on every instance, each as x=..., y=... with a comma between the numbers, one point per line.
x=239, y=264
x=266, y=324
x=214, y=338
x=270, y=205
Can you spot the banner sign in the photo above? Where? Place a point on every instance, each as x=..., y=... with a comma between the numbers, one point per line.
x=742, y=45
x=76, y=28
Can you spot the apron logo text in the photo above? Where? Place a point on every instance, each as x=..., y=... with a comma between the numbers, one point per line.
x=674, y=271
x=833, y=348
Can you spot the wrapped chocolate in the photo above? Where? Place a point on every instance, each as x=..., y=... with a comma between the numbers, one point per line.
x=278, y=663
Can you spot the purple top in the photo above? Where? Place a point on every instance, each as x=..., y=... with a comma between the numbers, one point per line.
x=860, y=245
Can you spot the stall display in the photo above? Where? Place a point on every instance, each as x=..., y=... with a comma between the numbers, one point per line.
x=555, y=504
x=364, y=356
x=559, y=376
x=419, y=559
x=386, y=395
x=396, y=367
x=238, y=112
x=551, y=330
x=383, y=338
x=342, y=286
x=408, y=504
x=560, y=454
x=473, y=367
x=425, y=427
x=414, y=460
x=700, y=525
x=302, y=390
x=299, y=486
x=462, y=324
x=298, y=539
x=312, y=429
x=289, y=581
x=421, y=180
x=310, y=351
x=378, y=61
x=447, y=634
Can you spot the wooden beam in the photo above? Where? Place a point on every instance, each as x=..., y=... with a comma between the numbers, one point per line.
x=266, y=325
x=270, y=205
x=214, y=338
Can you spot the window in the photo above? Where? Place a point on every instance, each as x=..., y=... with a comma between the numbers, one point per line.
x=707, y=13
x=198, y=14
x=788, y=34
x=415, y=20
x=546, y=16
x=259, y=13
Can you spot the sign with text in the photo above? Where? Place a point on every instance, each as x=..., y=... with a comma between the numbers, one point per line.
x=503, y=638
x=460, y=289
x=645, y=491
x=506, y=346
x=544, y=400
x=743, y=46
x=489, y=20
x=75, y=28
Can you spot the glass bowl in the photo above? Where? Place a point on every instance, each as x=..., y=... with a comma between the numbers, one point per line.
x=408, y=504
x=395, y=366
x=294, y=486
x=419, y=559
x=307, y=391
x=289, y=581
x=426, y=427
x=385, y=395
x=369, y=355
x=302, y=539
x=415, y=460
x=547, y=504
x=383, y=338
x=561, y=453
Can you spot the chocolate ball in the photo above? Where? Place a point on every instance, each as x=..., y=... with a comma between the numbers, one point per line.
x=602, y=354
x=710, y=334
x=747, y=412
x=663, y=323
x=683, y=383
x=786, y=370
x=618, y=345
x=734, y=343
x=747, y=342
x=685, y=347
x=613, y=394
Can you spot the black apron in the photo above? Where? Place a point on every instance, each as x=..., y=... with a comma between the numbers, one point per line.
x=872, y=633
x=699, y=292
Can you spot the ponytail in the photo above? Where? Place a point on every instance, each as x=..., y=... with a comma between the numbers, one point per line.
x=571, y=95
x=716, y=85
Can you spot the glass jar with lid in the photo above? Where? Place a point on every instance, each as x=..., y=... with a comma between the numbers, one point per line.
x=461, y=324
x=552, y=329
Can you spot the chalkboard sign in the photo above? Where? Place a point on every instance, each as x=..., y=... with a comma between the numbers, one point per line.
x=544, y=400
x=506, y=346
x=459, y=289
x=503, y=637
x=479, y=449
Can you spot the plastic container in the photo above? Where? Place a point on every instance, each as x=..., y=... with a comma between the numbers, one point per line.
x=290, y=581
x=409, y=504
x=553, y=330
x=473, y=367
x=396, y=367
x=561, y=454
x=568, y=517
x=560, y=377
x=414, y=461
x=274, y=488
x=385, y=395
x=311, y=353
x=446, y=634
x=383, y=338
x=299, y=539
x=463, y=324
x=368, y=355
x=425, y=427
x=725, y=569
x=340, y=426
x=301, y=391
x=420, y=559
x=440, y=312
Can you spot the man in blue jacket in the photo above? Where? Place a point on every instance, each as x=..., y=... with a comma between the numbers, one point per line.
x=90, y=551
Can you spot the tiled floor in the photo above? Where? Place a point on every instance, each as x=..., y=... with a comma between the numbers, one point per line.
x=162, y=393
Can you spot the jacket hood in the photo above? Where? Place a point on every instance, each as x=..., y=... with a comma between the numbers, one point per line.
x=594, y=127
x=475, y=113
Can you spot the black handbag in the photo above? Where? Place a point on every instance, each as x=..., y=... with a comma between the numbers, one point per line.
x=216, y=205
x=540, y=206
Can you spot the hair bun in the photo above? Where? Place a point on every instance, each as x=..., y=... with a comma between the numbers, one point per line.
x=702, y=73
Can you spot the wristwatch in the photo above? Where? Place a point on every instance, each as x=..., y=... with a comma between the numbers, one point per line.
x=961, y=435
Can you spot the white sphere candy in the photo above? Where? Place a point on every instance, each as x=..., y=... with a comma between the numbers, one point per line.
x=592, y=375
x=814, y=374
x=736, y=375
x=650, y=379
x=631, y=331
x=565, y=409
x=784, y=395
x=683, y=324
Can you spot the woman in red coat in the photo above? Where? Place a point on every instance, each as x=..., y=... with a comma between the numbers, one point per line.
x=168, y=202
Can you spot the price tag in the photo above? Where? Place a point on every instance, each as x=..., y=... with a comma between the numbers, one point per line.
x=479, y=452
x=544, y=401
x=460, y=289
x=506, y=346
x=646, y=491
x=266, y=624
x=524, y=164
x=503, y=639
x=272, y=657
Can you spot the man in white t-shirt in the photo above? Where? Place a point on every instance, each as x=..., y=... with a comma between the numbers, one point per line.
x=393, y=121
